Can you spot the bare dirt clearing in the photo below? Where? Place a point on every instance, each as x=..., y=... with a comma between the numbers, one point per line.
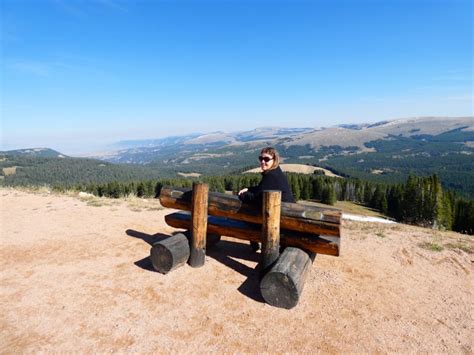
x=75, y=276
x=297, y=168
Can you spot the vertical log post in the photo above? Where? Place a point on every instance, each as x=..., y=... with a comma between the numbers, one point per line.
x=199, y=224
x=270, y=229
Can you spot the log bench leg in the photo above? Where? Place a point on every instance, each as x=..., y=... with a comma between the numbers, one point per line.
x=170, y=253
x=283, y=285
x=270, y=229
x=199, y=224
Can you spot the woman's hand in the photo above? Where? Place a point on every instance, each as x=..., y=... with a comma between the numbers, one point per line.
x=243, y=191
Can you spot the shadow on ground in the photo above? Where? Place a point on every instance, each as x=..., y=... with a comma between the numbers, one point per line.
x=225, y=252
x=145, y=263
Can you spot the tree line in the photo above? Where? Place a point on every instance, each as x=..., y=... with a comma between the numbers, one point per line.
x=418, y=201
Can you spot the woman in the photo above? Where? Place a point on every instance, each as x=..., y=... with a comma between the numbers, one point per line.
x=272, y=179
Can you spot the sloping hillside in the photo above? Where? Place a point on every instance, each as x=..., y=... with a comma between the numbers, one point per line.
x=337, y=136
x=354, y=137
x=386, y=151
x=297, y=168
x=423, y=125
x=33, y=153
x=75, y=276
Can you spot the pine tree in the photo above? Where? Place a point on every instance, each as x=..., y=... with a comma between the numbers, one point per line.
x=394, y=202
x=359, y=192
x=384, y=204
x=295, y=186
x=367, y=194
x=306, y=189
x=446, y=212
x=429, y=207
x=317, y=187
x=376, y=200
x=464, y=216
x=412, y=202
x=140, y=189
x=328, y=194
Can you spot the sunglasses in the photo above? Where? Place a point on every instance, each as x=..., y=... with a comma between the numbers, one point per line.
x=265, y=159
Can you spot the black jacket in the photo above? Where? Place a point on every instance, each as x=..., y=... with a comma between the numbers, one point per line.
x=271, y=180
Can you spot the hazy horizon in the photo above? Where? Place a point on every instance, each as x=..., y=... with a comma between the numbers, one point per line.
x=78, y=150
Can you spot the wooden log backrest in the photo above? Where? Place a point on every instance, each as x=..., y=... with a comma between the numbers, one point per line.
x=314, y=228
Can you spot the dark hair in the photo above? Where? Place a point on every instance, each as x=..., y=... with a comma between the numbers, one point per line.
x=274, y=153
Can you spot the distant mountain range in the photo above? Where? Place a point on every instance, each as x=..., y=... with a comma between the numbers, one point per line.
x=214, y=138
x=355, y=137
x=386, y=151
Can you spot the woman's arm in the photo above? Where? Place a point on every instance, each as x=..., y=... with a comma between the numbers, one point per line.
x=243, y=191
x=254, y=194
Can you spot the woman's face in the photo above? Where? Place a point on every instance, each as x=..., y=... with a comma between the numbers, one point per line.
x=266, y=161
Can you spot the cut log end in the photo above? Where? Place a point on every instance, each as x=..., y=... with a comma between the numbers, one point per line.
x=279, y=290
x=283, y=285
x=170, y=253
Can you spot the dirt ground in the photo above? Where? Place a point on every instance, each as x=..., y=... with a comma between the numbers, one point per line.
x=75, y=276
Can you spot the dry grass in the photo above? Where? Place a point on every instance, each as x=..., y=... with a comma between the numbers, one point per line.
x=9, y=171
x=337, y=136
x=431, y=246
x=298, y=168
x=347, y=207
x=96, y=203
x=190, y=174
x=466, y=245
x=41, y=190
x=133, y=203
x=139, y=204
x=354, y=208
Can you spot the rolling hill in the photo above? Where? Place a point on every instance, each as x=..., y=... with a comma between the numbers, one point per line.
x=386, y=151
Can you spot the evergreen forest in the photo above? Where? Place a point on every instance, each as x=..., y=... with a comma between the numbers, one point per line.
x=411, y=193
x=419, y=201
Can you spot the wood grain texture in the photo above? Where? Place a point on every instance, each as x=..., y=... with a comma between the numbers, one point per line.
x=170, y=253
x=283, y=285
x=270, y=229
x=325, y=221
x=199, y=224
x=251, y=231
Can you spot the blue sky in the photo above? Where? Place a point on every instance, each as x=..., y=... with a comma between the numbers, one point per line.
x=77, y=75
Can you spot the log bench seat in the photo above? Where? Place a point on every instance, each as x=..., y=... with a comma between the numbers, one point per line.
x=302, y=232
x=253, y=232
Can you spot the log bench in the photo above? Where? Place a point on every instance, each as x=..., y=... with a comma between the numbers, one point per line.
x=301, y=231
